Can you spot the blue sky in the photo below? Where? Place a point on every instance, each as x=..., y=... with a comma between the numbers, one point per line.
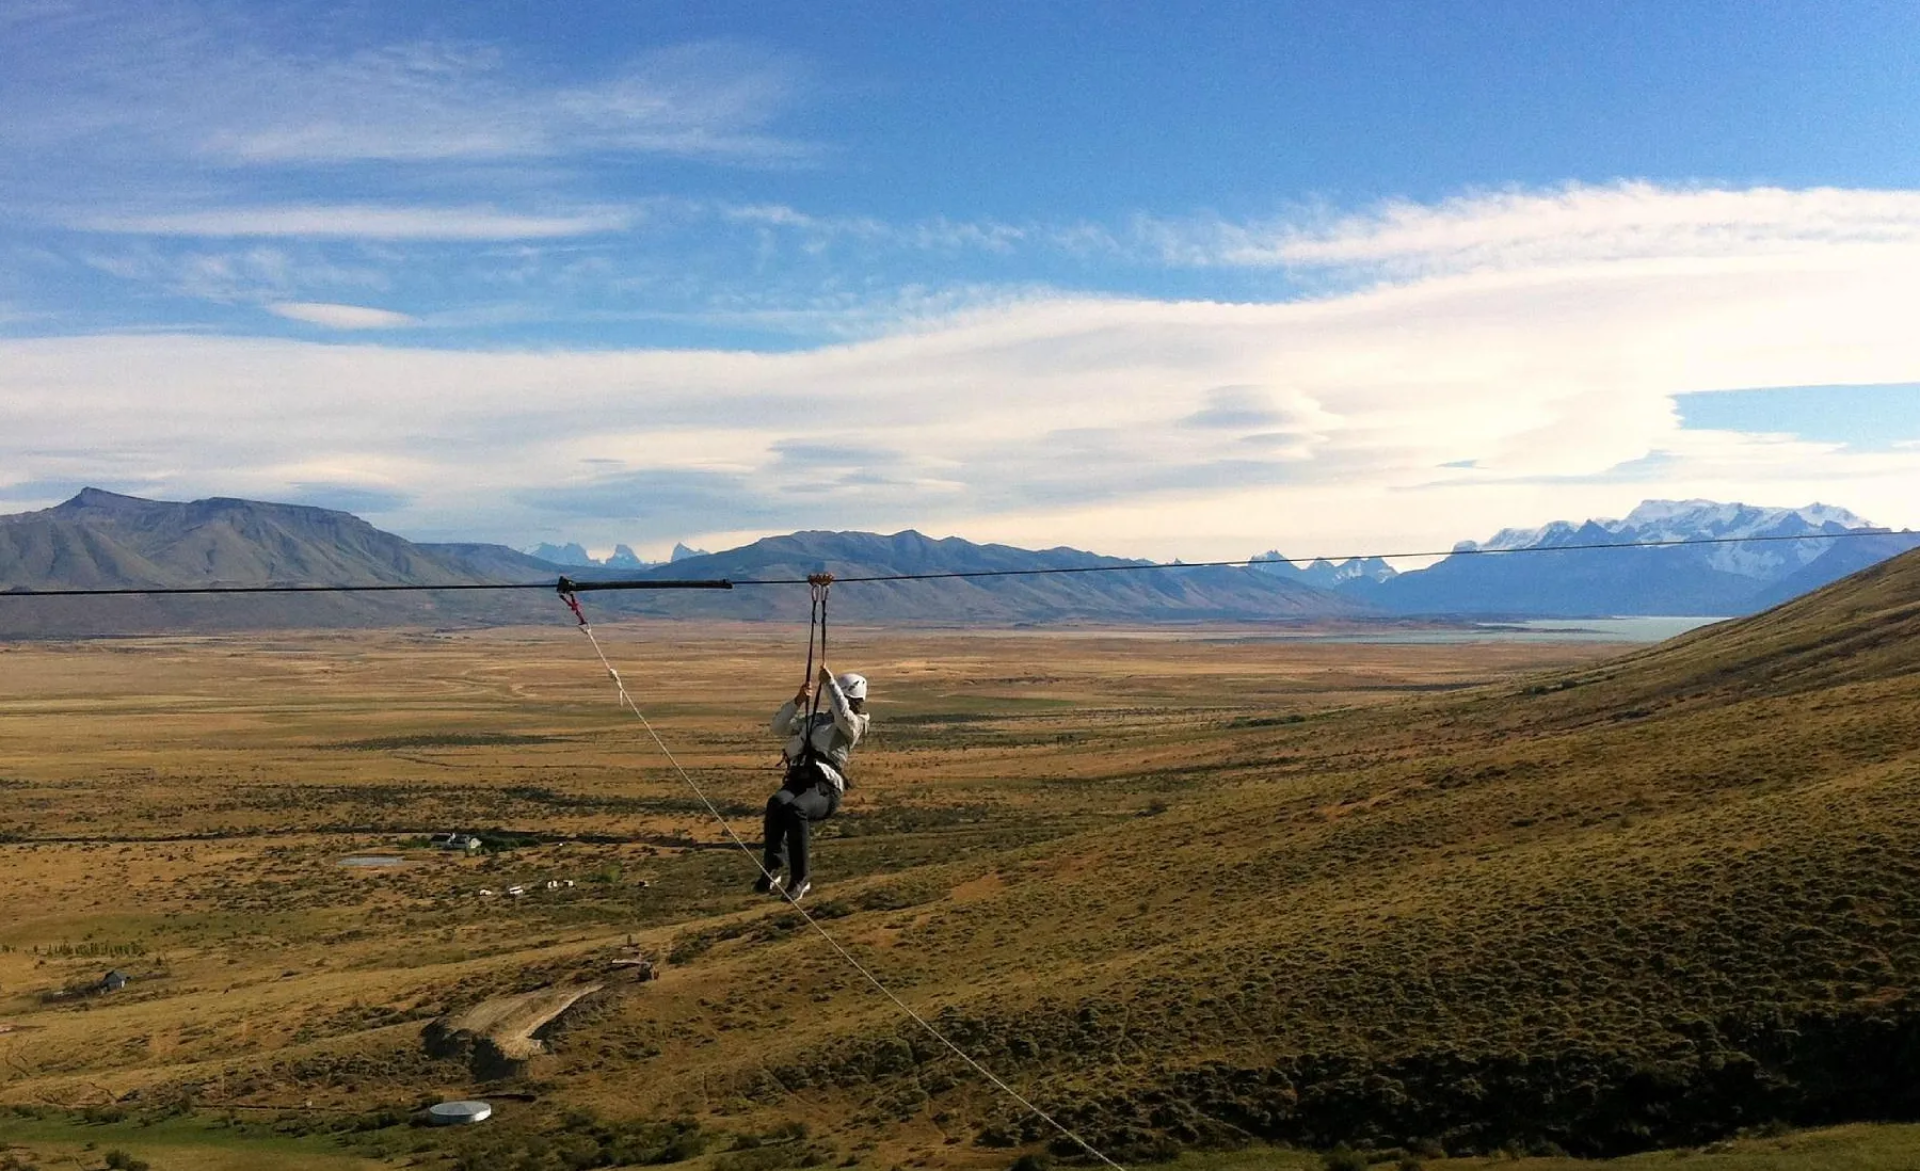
x=1063, y=273
x=1861, y=416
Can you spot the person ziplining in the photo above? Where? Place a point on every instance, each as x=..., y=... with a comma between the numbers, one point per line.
x=819, y=745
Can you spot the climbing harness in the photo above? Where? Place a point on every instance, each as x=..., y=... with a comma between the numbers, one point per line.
x=820, y=584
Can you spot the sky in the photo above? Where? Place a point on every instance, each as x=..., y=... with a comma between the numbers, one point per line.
x=1164, y=279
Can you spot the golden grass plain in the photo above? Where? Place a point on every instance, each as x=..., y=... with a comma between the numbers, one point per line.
x=177, y=808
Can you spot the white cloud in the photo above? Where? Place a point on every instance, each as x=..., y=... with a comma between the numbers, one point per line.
x=340, y=316
x=1524, y=230
x=242, y=89
x=255, y=273
x=938, y=234
x=361, y=222
x=1192, y=429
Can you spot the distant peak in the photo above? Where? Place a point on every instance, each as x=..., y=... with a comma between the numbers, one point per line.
x=1704, y=513
x=571, y=553
x=623, y=557
x=101, y=500
x=97, y=496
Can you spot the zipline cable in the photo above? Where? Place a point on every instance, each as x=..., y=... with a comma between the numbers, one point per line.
x=626, y=700
x=569, y=585
x=564, y=585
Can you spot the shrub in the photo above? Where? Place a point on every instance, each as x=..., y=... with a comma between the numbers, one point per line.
x=1343, y=1158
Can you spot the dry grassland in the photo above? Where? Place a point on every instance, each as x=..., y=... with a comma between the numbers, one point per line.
x=1188, y=889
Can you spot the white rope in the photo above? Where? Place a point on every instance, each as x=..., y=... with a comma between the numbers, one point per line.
x=627, y=701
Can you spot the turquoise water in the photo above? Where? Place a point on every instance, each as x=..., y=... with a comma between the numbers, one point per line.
x=1636, y=629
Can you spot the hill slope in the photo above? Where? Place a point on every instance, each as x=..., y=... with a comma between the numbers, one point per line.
x=1647, y=903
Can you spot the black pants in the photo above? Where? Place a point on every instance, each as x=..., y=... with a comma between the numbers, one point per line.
x=791, y=812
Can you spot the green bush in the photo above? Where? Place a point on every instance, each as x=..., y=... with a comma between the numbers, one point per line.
x=1344, y=1158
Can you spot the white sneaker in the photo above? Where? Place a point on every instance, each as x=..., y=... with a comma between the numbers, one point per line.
x=797, y=891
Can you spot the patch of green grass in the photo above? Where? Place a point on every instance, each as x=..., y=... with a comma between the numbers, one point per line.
x=194, y=1139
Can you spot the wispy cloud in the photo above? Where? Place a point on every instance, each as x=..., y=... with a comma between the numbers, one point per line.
x=340, y=316
x=195, y=121
x=245, y=275
x=935, y=234
x=1579, y=224
x=360, y=222
x=227, y=87
x=438, y=102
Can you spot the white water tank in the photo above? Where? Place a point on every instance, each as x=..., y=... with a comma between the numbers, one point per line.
x=459, y=1113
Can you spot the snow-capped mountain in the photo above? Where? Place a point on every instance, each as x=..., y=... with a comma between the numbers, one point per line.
x=567, y=554
x=1730, y=578
x=623, y=557
x=1692, y=520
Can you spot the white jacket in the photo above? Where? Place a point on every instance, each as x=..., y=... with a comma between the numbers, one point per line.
x=834, y=733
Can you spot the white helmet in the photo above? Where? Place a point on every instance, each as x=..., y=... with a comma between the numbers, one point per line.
x=854, y=686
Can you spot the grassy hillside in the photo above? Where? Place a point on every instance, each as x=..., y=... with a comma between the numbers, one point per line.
x=1644, y=903
x=1195, y=891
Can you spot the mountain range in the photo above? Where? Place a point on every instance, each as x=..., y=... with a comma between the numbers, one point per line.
x=101, y=540
x=1198, y=594
x=1481, y=579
